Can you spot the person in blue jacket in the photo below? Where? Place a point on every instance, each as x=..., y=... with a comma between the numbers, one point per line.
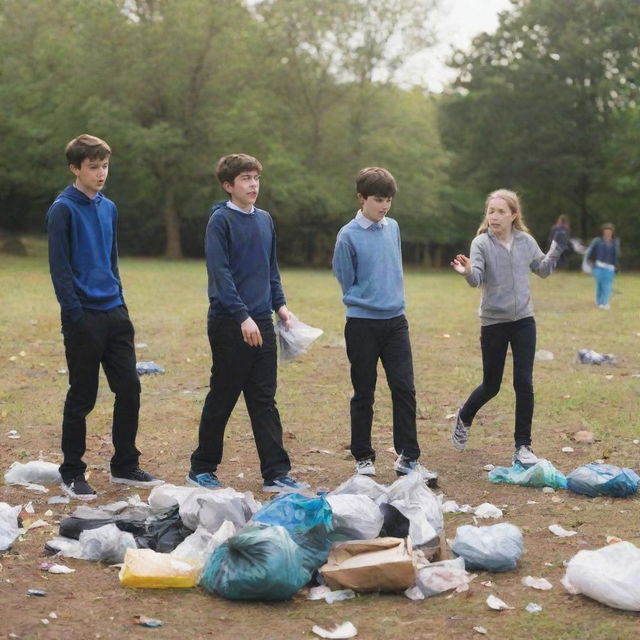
x=603, y=254
x=83, y=262
x=367, y=262
x=244, y=291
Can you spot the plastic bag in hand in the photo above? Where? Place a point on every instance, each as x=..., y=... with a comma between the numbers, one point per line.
x=603, y=480
x=493, y=548
x=608, y=575
x=295, y=340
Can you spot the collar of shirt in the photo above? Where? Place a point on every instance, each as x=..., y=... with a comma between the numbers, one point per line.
x=365, y=223
x=235, y=207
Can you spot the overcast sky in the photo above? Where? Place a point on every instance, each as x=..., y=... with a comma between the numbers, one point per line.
x=457, y=23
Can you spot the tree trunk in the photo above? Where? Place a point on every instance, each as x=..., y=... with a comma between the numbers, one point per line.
x=173, y=246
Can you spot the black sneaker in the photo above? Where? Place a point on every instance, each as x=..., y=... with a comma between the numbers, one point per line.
x=78, y=488
x=136, y=478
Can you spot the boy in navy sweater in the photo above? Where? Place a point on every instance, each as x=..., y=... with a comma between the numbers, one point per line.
x=83, y=261
x=367, y=262
x=244, y=290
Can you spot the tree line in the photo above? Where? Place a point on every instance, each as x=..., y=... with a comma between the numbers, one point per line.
x=547, y=105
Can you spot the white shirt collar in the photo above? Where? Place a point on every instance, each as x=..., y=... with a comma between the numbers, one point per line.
x=365, y=223
x=235, y=207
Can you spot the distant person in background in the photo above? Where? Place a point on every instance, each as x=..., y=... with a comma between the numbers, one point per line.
x=503, y=254
x=83, y=261
x=603, y=255
x=560, y=232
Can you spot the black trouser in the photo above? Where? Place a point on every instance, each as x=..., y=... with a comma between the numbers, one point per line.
x=494, y=340
x=239, y=368
x=101, y=337
x=388, y=341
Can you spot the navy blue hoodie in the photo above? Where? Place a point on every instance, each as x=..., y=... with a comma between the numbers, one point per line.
x=83, y=253
x=244, y=279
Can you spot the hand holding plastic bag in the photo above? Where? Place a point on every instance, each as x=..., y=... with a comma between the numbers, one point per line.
x=295, y=340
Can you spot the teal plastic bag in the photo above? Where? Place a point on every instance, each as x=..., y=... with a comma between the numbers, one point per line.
x=261, y=562
x=541, y=474
x=603, y=480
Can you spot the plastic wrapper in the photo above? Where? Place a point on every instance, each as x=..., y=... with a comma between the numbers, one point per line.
x=261, y=562
x=355, y=517
x=603, y=480
x=147, y=368
x=198, y=547
x=608, y=575
x=589, y=356
x=541, y=474
x=144, y=568
x=33, y=472
x=295, y=340
x=9, y=527
x=493, y=548
x=439, y=577
x=107, y=544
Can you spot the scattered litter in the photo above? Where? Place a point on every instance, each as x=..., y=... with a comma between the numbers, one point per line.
x=143, y=621
x=51, y=567
x=636, y=441
x=481, y=630
x=344, y=630
x=58, y=500
x=488, y=467
x=28, y=508
x=613, y=539
x=531, y=502
x=37, y=524
x=53, y=615
x=44, y=621
x=567, y=449
x=296, y=339
x=40, y=593
x=62, y=371
x=13, y=435
x=148, y=368
x=603, y=480
x=487, y=583
x=450, y=416
x=438, y=577
x=537, y=583
x=557, y=530
x=541, y=474
x=532, y=607
x=144, y=568
x=487, y=510
x=141, y=345
x=325, y=593
x=48, y=513
x=105, y=544
x=493, y=548
x=34, y=472
x=608, y=575
x=451, y=506
x=9, y=529
x=588, y=356
x=548, y=490
x=495, y=603
x=544, y=355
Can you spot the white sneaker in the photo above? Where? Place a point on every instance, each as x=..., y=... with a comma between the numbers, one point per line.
x=403, y=466
x=525, y=456
x=365, y=467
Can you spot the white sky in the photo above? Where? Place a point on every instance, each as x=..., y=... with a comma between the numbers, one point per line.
x=457, y=24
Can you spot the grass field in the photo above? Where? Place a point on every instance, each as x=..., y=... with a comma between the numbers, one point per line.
x=167, y=302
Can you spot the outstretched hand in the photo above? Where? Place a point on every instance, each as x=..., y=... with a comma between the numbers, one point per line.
x=461, y=264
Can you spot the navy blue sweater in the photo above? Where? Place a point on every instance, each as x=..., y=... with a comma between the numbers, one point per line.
x=244, y=279
x=83, y=253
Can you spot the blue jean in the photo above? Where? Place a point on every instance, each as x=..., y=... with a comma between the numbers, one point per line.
x=494, y=340
x=604, y=284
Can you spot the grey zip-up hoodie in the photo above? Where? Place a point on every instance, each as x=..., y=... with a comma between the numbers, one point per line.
x=504, y=274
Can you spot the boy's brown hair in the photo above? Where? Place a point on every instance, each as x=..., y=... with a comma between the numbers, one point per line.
x=376, y=181
x=86, y=146
x=231, y=166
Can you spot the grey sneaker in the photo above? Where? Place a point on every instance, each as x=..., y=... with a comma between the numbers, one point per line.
x=524, y=455
x=403, y=466
x=136, y=478
x=460, y=433
x=365, y=467
x=78, y=488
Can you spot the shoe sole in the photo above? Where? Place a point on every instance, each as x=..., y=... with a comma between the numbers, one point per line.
x=75, y=496
x=193, y=483
x=136, y=483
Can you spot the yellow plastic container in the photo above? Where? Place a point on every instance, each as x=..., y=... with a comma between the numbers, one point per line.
x=146, y=569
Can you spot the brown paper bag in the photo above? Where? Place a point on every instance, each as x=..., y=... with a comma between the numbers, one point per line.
x=383, y=564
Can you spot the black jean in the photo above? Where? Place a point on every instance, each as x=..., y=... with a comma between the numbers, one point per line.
x=100, y=338
x=239, y=368
x=388, y=341
x=494, y=340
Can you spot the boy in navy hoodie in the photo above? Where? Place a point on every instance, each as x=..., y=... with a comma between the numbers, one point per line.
x=83, y=261
x=367, y=261
x=244, y=290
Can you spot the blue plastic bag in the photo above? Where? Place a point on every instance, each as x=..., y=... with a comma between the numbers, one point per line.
x=307, y=520
x=603, y=480
x=541, y=474
x=493, y=548
x=261, y=562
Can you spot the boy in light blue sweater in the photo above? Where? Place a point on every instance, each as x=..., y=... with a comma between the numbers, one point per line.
x=367, y=262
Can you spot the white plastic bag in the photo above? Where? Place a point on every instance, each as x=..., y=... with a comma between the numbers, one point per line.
x=494, y=548
x=355, y=517
x=33, y=472
x=609, y=575
x=438, y=577
x=361, y=485
x=295, y=340
x=197, y=547
x=9, y=529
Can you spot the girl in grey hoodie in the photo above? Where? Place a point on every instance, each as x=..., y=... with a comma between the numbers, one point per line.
x=503, y=253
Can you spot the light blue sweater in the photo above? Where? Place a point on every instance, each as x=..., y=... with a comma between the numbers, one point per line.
x=368, y=265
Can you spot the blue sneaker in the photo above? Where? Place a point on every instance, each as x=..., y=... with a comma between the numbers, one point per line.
x=284, y=484
x=403, y=466
x=208, y=480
